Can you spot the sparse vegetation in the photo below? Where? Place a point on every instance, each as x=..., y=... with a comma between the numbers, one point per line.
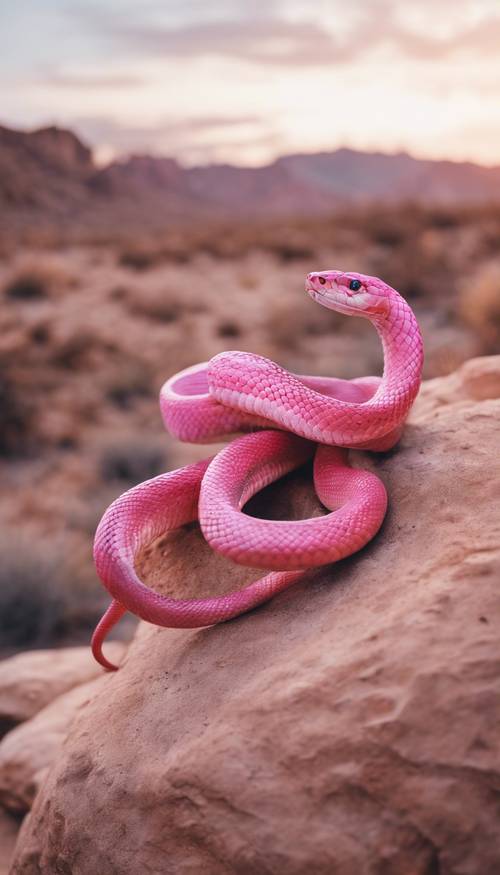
x=26, y=287
x=480, y=304
x=160, y=306
x=16, y=419
x=131, y=460
x=138, y=258
x=229, y=329
x=127, y=384
x=36, y=281
x=42, y=595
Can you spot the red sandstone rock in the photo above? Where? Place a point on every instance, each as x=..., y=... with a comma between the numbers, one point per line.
x=350, y=726
x=8, y=832
x=29, y=681
x=27, y=752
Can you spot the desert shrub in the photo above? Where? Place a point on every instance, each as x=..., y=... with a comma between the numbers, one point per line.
x=248, y=281
x=421, y=267
x=131, y=382
x=479, y=305
x=444, y=217
x=158, y=306
x=26, y=287
x=85, y=510
x=119, y=293
x=72, y=351
x=386, y=226
x=146, y=253
x=228, y=329
x=33, y=594
x=291, y=320
x=36, y=282
x=16, y=419
x=40, y=334
x=287, y=251
x=49, y=591
x=138, y=258
x=131, y=460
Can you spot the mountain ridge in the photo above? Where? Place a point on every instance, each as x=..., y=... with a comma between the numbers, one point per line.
x=49, y=174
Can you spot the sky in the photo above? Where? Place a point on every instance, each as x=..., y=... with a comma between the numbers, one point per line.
x=245, y=82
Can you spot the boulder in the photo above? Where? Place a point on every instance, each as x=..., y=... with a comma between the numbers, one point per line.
x=9, y=827
x=349, y=726
x=29, y=681
x=27, y=752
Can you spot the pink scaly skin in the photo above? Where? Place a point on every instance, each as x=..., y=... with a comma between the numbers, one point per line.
x=292, y=418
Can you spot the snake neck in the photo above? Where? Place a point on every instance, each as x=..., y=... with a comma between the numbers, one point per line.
x=403, y=350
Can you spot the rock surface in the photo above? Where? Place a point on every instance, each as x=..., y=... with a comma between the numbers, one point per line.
x=8, y=832
x=29, y=681
x=29, y=750
x=349, y=726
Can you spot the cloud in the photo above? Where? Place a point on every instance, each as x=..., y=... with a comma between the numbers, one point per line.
x=263, y=40
x=479, y=39
x=168, y=136
x=271, y=38
x=89, y=81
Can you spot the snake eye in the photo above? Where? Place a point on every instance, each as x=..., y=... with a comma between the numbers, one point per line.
x=322, y=280
x=355, y=285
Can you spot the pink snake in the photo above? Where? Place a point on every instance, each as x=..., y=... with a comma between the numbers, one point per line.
x=291, y=419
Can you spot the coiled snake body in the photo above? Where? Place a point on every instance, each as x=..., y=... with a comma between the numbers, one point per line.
x=290, y=419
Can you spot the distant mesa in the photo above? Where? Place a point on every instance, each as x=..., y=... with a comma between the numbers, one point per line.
x=50, y=176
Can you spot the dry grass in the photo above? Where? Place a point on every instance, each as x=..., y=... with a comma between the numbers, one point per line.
x=131, y=460
x=16, y=419
x=34, y=281
x=44, y=594
x=480, y=304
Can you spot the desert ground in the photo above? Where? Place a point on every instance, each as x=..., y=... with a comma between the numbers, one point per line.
x=91, y=326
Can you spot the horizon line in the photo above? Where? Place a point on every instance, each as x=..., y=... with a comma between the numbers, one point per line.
x=122, y=157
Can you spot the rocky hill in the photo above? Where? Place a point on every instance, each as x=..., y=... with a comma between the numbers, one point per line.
x=44, y=170
x=50, y=176
x=350, y=725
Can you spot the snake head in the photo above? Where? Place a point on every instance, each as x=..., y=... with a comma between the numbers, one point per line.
x=352, y=293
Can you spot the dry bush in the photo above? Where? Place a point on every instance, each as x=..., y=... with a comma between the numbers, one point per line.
x=16, y=419
x=26, y=286
x=43, y=594
x=128, y=382
x=248, y=281
x=85, y=510
x=34, y=282
x=290, y=321
x=40, y=333
x=479, y=305
x=443, y=217
x=131, y=460
x=73, y=351
x=229, y=329
x=287, y=250
x=138, y=258
x=422, y=266
x=157, y=306
x=145, y=254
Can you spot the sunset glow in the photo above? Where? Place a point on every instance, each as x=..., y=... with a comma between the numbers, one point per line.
x=245, y=83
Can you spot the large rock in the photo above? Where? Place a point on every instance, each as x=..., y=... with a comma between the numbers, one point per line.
x=349, y=726
x=8, y=833
x=29, y=681
x=29, y=750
